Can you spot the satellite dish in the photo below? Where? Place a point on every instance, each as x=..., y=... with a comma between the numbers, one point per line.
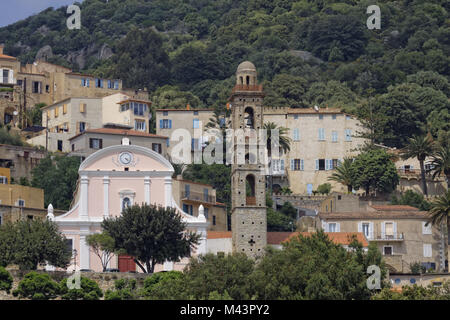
x=15, y=113
x=316, y=108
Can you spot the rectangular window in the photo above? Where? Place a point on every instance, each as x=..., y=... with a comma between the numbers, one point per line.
x=69, y=245
x=3, y=180
x=196, y=123
x=295, y=116
x=139, y=125
x=206, y=213
x=82, y=127
x=157, y=147
x=321, y=134
x=348, y=135
x=165, y=124
x=116, y=84
x=426, y=229
x=5, y=76
x=60, y=145
x=165, y=113
x=387, y=250
x=99, y=83
x=389, y=229
x=195, y=144
x=320, y=164
x=36, y=87
x=56, y=112
x=331, y=227
x=334, y=136
x=21, y=203
x=214, y=220
x=187, y=190
x=73, y=147
x=195, y=113
x=365, y=229
x=205, y=195
x=82, y=107
x=333, y=117
x=64, y=108
x=334, y=163
x=296, y=134
x=95, y=143
x=320, y=116
x=427, y=250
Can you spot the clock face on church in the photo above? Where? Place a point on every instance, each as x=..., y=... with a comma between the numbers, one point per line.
x=125, y=158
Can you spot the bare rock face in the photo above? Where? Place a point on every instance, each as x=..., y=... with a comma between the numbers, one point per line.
x=44, y=53
x=105, y=52
x=305, y=56
x=77, y=57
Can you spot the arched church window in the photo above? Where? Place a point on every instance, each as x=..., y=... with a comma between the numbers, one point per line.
x=250, y=190
x=248, y=80
x=242, y=80
x=249, y=118
x=126, y=202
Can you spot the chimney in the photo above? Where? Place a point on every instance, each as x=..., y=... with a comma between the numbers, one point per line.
x=188, y=107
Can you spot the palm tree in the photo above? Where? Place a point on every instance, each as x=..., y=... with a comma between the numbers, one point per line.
x=440, y=210
x=284, y=141
x=441, y=163
x=343, y=174
x=420, y=147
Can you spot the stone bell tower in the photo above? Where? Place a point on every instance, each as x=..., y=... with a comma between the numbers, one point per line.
x=248, y=197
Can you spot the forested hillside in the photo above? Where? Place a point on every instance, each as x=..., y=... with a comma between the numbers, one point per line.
x=307, y=52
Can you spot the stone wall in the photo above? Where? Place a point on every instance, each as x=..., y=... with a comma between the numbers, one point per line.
x=105, y=280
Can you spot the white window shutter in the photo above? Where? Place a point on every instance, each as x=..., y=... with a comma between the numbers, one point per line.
x=11, y=76
x=302, y=165
x=370, y=230
x=395, y=229
x=324, y=226
x=338, y=227
x=383, y=229
x=317, y=164
x=292, y=164
x=282, y=164
x=360, y=227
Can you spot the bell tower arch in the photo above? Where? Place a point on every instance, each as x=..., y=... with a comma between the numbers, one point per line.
x=248, y=208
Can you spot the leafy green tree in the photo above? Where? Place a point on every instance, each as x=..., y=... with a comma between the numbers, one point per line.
x=6, y=280
x=416, y=292
x=58, y=177
x=34, y=242
x=277, y=221
x=285, y=90
x=419, y=147
x=310, y=267
x=324, y=188
x=343, y=174
x=440, y=211
x=374, y=170
x=7, y=243
x=172, y=97
x=140, y=60
x=37, y=286
x=102, y=244
x=12, y=138
x=413, y=199
x=89, y=290
x=339, y=32
x=124, y=289
x=284, y=142
x=222, y=273
x=165, y=286
x=289, y=210
x=151, y=234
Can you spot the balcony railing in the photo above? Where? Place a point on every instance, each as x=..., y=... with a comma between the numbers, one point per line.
x=198, y=196
x=247, y=87
x=396, y=236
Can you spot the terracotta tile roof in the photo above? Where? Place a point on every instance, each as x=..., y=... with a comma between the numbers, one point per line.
x=375, y=215
x=392, y=207
x=4, y=56
x=219, y=234
x=124, y=132
x=277, y=237
x=343, y=238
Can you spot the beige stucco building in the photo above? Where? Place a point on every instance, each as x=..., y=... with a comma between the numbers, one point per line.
x=400, y=232
x=189, y=195
x=92, y=140
x=23, y=86
x=20, y=160
x=319, y=140
x=72, y=116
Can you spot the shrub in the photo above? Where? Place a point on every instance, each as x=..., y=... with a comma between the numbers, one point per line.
x=89, y=290
x=125, y=289
x=6, y=280
x=37, y=286
x=165, y=286
x=324, y=188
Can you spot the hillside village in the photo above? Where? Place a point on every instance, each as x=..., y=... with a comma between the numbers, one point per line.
x=83, y=155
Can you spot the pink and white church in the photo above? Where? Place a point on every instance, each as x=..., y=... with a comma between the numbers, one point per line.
x=109, y=180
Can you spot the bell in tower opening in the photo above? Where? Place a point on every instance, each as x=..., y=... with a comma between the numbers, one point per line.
x=248, y=185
